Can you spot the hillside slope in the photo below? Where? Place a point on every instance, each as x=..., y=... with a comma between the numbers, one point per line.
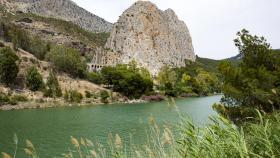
x=62, y=9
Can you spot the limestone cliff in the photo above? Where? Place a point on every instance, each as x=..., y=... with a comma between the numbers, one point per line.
x=151, y=37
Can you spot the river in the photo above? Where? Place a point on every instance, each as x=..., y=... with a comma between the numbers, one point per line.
x=50, y=129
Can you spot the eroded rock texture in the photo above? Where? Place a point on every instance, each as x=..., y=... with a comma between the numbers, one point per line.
x=151, y=37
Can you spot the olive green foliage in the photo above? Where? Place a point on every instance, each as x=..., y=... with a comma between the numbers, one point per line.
x=22, y=39
x=95, y=77
x=205, y=83
x=104, y=95
x=8, y=66
x=11, y=99
x=190, y=81
x=224, y=139
x=73, y=96
x=34, y=80
x=128, y=80
x=5, y=31
x=39, y=48
x=52, y=89
x=167, y=78
x=67, y=60
x=4, y=99
x=88, y=94
x=255, y=81
x=206, y=64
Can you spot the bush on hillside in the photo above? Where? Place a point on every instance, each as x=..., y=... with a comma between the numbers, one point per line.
x=34, y=80
x=73, y=96
x=8, y=66
x=104, y=95
x=67, y=60
x=95, y=77
x=53, y=89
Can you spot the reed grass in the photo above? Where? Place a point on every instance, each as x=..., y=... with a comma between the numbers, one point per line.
x=220, y=139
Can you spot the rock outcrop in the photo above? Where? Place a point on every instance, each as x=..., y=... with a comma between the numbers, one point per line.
x=151, y=37
x=66, y=10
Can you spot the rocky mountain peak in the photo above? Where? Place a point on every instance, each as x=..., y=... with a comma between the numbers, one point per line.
x=66, y=10
x=151, y=37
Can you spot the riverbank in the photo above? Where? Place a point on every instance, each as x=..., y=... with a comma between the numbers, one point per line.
x=36, y=105
x=61, y=103
x=54, y=103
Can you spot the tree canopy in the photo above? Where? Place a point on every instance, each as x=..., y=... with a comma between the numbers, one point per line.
x=128, y=80
x=255, y=82
x=67, y=60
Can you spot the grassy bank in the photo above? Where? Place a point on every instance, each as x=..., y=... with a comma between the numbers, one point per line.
x=221, y=138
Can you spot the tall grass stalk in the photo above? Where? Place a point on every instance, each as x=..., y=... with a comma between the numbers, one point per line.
x=221, y=138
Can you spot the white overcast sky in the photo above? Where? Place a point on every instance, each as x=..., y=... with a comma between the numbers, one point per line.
x=212, y=23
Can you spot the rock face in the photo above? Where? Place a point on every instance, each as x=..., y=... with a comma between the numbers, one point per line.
x=66, y=10
x=151, y=37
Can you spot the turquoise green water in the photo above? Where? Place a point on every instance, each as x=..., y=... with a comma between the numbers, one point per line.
x=50, y=129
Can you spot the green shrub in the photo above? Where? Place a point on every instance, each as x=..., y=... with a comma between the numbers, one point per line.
x=128, y=80
x=38, y=48
x=67, y=60
x=104, y=95
x=8, y=66
x=19, y=98
x=34, y=80
x=94, y=77
x=88, y=94
x=4, y=99
x=73, y=96
x=254, y=83
x=52, y=87
x=20, y=38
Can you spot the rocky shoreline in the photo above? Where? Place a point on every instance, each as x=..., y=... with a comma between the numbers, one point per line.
x=34, y=105
x=59, y=103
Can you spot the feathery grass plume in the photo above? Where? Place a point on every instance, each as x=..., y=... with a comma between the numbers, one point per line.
x=118, y=141
x=29, y=144
x=28, y=152
x=16, y=144
x=101, y=150
x=75, y=142
x=89, y=143
x=83, y=142
x=167, y=136
x=93, y=153
x=5, y=155
x=30, y=149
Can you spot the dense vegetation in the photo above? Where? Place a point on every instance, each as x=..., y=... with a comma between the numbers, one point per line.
x=21, y=39
x=34, y=80
x=67, y=60
x=129, y=80
x=52, y=86
x=73, y=96
x=255, y=82
x=8, y=66
x=188, y=81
